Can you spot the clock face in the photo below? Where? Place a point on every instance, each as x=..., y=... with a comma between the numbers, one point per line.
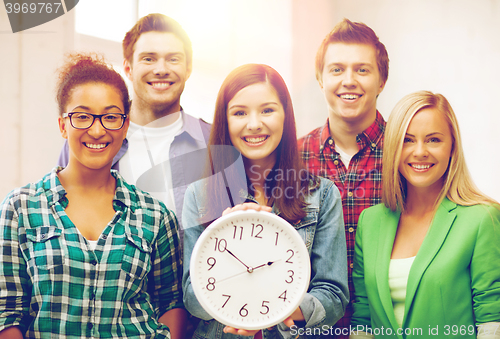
x=250, y=270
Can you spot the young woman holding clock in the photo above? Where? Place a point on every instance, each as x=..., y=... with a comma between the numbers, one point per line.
x=254, y=164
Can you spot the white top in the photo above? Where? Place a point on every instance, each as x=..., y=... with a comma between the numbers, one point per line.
x=344, y=157
x=92, y=243
x=148, y=151
x=399, y=269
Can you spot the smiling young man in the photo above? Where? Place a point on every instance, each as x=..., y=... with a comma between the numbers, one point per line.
x=352, y=67
x=165, y=148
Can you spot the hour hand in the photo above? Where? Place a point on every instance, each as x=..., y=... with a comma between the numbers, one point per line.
x=269, y=263
x=249, y=269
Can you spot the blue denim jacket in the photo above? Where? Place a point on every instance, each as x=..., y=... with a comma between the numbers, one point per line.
x=322, y=229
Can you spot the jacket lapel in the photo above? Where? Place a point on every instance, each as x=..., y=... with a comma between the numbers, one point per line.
x=387, y=233
x=441, y=224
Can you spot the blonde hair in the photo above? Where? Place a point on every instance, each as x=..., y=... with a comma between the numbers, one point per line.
x=458, y=185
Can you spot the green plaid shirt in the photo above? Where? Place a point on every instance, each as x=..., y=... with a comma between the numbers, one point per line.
x=53, y=285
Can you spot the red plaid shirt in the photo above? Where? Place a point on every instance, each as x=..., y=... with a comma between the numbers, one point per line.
x=360, y=185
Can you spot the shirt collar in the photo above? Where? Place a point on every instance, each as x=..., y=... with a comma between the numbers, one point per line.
x=245, y=196
x=370, y=136
x=191, y=126
x=55, y=192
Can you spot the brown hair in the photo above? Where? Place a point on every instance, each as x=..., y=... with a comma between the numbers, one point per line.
x=82, y=68
x=156, y=23
x=350, y=32
x=287, y=157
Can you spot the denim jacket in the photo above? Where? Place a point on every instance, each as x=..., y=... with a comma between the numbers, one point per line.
x=322, y=230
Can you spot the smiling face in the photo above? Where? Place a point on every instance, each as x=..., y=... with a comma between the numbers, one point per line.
x=158, y=71
x=255, y=118
x=351, y=83
x=94, y=147
x=426, y=151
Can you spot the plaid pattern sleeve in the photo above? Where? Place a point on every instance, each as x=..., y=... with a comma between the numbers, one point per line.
x=167, y=267
x=360, y=183
x=52, y=284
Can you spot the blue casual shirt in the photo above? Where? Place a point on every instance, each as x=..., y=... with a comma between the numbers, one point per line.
x=322, y=230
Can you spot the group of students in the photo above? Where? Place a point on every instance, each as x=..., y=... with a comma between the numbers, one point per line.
x=86, y=252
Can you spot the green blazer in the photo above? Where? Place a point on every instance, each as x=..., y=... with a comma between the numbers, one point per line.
x=454, y=282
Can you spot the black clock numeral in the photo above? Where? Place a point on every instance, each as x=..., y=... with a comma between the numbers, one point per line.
x=228, y=297
x=276, y=243
x=211, y=284
x=265, y=306
x=236, y=232
x=220, y=245
x=283, y=296
x=211, y=262
x=243, y=311
x=254, y=228
x=291, y=277
x=288, y=260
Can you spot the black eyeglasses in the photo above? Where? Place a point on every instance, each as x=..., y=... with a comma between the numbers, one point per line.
x=82, y=120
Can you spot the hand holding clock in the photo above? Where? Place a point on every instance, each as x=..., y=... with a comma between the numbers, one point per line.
x=228, y=329
x=297, y=315
x=247, y=206
x=249, y=304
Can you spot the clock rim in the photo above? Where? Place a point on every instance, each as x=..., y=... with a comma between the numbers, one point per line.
x=206, y=233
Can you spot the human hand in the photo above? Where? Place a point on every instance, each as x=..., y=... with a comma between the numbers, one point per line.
x=247, y=206
x=232, y=330
x=297, y=315
x=228, y=329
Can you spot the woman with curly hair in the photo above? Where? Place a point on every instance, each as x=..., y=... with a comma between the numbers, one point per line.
x=84, y=254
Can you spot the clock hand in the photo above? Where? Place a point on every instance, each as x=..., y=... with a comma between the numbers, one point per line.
x=232, y=276
x=249, y=269
x=269, y=263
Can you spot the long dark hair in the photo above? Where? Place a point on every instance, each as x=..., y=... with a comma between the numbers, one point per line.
x=287, y=181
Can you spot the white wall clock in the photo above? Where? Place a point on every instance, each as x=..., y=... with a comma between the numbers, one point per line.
x=250, y=270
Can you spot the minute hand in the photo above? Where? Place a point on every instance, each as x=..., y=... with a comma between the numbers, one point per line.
x=249, y=269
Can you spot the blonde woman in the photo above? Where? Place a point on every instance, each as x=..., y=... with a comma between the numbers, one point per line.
x=427, y=260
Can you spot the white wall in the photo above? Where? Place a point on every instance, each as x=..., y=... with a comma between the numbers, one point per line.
x=29, y=134
x=450, y=47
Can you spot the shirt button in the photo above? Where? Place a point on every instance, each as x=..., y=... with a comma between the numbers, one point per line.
x=104, y=236
x=350, y=194
x=351, y=229
x=351, y=265
x=373, y=145
x=94, y=262
x=330, y=142
x=336, y=162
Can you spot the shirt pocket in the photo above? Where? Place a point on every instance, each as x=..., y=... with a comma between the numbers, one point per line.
x=44, y=248
x=306, y=227
x=136, y=261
